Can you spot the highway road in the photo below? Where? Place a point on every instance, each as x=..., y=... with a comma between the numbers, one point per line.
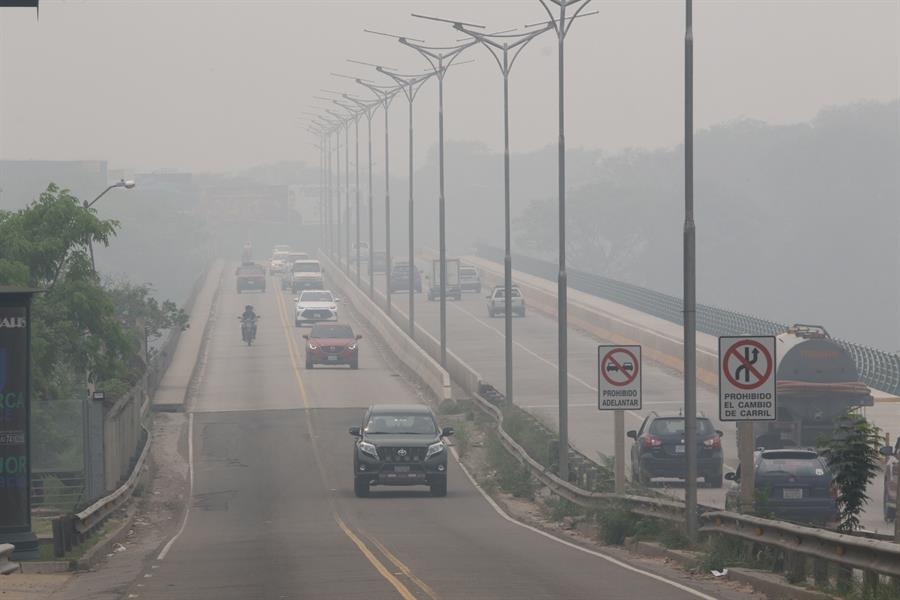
x=479, y=339
x=272, y=511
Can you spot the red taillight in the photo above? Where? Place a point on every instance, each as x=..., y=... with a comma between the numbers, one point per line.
x=712, y=442
x=650, y=441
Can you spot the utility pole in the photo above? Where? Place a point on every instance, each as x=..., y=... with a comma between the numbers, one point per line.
x=561, y=25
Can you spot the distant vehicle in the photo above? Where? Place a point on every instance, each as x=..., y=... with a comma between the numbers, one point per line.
x=281, y=248
x=452, y=288
x=363, y=252
x=400, y=277
x=496, y=301
x=332, y=344
x=891, y=473
x=287, y=274
x=251, y=277
x=247, y=254
x=400, y=445
x=792, y=485
x=279, y=262
x=248, y=325
x=817, y=381
x=314, y=306
x=306, y=275
x=469, y=279
x=659, y=450
x=379, y=262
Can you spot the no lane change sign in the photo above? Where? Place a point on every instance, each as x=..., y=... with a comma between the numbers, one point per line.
x=619, y=377
x=747, y=378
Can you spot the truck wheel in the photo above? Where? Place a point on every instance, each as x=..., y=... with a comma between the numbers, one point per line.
x=439, y=488
x=360, y=487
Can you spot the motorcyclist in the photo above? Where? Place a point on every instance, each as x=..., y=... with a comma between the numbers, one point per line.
x=248, y=322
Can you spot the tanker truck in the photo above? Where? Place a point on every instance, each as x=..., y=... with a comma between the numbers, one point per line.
x=817, y=381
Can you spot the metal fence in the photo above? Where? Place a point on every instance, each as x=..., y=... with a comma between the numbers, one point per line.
x=877, y=368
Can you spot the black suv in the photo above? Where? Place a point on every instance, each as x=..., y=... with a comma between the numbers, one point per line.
x=658, y=450
x=400, y=444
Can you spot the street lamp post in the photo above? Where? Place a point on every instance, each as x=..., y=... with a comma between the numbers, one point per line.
x=410, y=84
x=122, y=183
x=439, y=58
x=500, y=46
x=342, y=123
x=561, y=27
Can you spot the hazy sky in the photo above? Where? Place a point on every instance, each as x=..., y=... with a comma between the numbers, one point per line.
x=221, y=85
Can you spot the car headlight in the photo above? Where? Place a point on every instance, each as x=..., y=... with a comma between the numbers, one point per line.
x=435, y=448
x=312, y=346
x=367, y=448
x=333, y=307
x=351, y=347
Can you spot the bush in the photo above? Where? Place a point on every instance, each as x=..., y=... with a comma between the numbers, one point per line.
x=616, y=524
x=511, y=475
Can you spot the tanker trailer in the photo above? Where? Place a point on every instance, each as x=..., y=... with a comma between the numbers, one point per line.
x=817, y=381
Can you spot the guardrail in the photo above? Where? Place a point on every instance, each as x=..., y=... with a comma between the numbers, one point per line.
x=56, y=489
x=877, y=368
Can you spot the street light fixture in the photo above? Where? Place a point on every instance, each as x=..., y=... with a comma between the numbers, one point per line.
x=505, y=48
x=439, y=58
x=122, y=183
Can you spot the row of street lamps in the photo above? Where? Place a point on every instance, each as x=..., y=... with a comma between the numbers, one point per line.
x=505, y=47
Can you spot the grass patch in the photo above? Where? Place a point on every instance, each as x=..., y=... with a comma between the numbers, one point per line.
x=616, y=523
x=511, y=475
x=560, y=508
x=462, y=441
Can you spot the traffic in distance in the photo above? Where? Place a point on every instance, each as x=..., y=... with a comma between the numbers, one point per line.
x=817, y=383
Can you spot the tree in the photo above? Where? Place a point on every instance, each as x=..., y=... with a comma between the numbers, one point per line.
x=852, y=455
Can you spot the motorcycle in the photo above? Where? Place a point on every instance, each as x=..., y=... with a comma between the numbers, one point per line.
x=248, y=329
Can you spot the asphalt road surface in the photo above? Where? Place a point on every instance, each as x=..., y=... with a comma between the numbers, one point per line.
x=479, y=340
x=273, y=515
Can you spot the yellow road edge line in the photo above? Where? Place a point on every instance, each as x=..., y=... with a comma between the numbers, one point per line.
x=402, y=566
x=379, y=566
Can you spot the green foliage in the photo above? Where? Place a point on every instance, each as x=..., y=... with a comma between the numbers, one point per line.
x=561, y=508
x=616, y=523
x=852, y=455
x=136, y=308
x=511, y=475
x=463, y=438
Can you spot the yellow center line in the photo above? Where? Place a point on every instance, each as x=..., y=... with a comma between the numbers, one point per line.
x=402, y=566
x=370, y=556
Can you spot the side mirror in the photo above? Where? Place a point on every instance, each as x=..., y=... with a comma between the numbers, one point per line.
x=359, y=336
x=632, y=434
x=886, y=451
x=305, y=336
x=447, y=432
x=719, y=432
x=355, y=432
x=731, y=476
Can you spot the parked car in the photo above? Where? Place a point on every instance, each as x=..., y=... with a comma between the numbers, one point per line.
x=332, y=344
x=469, y=279
x=250, y=277
x=400, y=277
x=496, y=303
x=314, y=306
x=659, y=450
x=790, y=484
x=891, y=473
x=400, y=445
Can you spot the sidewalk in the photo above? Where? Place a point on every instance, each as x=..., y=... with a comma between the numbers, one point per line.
x=173, y=388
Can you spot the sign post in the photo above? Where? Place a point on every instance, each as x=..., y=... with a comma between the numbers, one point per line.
x=747, y=394
x=15, y=421
x=619, y=389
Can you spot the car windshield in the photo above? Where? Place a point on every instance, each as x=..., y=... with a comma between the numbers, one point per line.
x=800, y=467
x=501, y=293
x=382, y=424
x=331, y=331
x=316, y=297
x=306, y=267
x=675, y=426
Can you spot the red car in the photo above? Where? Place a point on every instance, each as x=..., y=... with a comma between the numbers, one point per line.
x=332, y=344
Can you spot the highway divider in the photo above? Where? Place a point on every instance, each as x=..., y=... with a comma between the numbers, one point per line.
x=417, y=359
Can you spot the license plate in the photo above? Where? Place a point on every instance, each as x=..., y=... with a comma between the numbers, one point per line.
x=401, y=469
x=792, y=493
x=679, y=449
x=332, y=357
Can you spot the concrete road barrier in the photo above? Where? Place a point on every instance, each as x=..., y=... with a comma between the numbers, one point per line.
x=6, y=565
x=409, y=353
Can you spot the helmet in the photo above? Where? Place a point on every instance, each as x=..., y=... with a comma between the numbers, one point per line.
x=248, y=308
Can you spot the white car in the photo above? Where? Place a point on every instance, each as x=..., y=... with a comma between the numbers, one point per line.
x=314, y=306
x=279, y=262
x=496, y=302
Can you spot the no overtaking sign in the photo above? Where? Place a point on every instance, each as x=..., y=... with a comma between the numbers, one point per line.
x=619, y=377
x=747, y=378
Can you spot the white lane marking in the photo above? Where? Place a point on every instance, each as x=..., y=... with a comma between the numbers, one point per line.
x=187, y=510
x=605, y=557
x=537, y=356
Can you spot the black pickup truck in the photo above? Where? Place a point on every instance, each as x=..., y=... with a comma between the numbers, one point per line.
x=251, y=276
